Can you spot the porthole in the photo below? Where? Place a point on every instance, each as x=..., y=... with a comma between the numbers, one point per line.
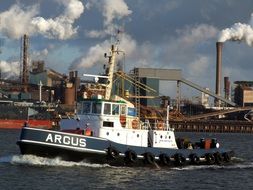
x=138, y=135
x=118, y=134
x=107, y=133
x=161, y=136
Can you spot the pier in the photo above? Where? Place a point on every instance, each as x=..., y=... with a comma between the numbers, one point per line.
x=214, y=126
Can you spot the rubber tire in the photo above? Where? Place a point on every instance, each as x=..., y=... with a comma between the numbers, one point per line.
x=164, y=159
x=210, y=159
x=226, y=157
x=194, y=159
x=179, y=159
x=218, y=158
x=112, y=152
x=149, y=158
x=130, y=156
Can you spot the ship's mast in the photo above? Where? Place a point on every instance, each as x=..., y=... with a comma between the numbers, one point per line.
x=111, y=63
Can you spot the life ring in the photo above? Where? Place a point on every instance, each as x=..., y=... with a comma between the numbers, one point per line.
x=149, y=158
x=179, y=159
x=130, y=156
x=134, y=124
x=112, y=152
x=226, y=157
x=160, y=125
x=164, y=159
x=218, y=158
x=210, y=159
x=194, y=159
x=122, y=119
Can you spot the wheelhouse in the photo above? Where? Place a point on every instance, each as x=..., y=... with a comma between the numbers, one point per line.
x=106, y=108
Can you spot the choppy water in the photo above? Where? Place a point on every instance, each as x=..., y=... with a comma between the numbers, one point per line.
x=31, y=172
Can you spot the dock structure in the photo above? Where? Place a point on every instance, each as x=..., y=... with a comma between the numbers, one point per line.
x=214, y=126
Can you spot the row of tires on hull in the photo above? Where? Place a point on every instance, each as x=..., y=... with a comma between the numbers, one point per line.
x=177, y=159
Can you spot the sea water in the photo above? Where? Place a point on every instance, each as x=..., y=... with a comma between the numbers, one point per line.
x=31, y=172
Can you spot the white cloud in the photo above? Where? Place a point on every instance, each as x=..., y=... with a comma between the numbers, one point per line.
x=9, y=69
x=112, y=12
x=199, y=67
x=18, y=21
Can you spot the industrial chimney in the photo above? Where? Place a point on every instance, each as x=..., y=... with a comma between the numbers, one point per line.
x=227, y=87
x=218, y=71
x=25, y=74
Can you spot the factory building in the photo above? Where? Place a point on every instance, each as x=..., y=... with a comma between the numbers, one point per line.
x=154, y=84
x=47, y=77
x=243, y=93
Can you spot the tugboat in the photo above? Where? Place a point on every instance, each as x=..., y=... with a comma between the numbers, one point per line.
x=106, y=129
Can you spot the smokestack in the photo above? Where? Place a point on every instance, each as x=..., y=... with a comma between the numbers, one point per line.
x=227, y=87
x=25, y=74
x=218, y=71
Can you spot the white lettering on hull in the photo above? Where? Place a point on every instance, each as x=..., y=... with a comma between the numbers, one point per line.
x=66, y=140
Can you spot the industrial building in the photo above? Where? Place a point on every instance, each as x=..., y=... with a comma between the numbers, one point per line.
x=243, y=93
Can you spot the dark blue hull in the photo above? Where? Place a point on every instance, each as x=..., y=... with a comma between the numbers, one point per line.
x=74, y=147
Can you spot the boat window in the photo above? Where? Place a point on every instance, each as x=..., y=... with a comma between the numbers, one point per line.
x=131, y=112
x=86, y=107
x=115, y=109
x=96, y=108
x=79, y=108
x=123, y=110
x=107, y=109
x=107, y=124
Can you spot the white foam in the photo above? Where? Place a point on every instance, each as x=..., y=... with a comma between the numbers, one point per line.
x=41, y=161
x=243, y=165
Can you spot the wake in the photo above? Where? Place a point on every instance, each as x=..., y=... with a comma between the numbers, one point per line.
x=236, y=163
x=41, y=161
x=31, y=160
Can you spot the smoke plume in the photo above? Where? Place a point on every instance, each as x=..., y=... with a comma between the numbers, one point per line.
x=238, y=32
x=19, y=20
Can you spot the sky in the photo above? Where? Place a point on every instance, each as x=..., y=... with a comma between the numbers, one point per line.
x=171, y=34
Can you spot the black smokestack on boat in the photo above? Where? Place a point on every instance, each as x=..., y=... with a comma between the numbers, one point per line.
x=218, y=71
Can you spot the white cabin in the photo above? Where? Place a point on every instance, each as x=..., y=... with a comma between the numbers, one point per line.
x=117, y=121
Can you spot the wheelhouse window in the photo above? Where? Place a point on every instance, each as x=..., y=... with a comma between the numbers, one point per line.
x=86, y=107
x=115, y=109
x=96, y=108
x=79, y=108
x=131, y=112
x=107, y=109
x=123, y=110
